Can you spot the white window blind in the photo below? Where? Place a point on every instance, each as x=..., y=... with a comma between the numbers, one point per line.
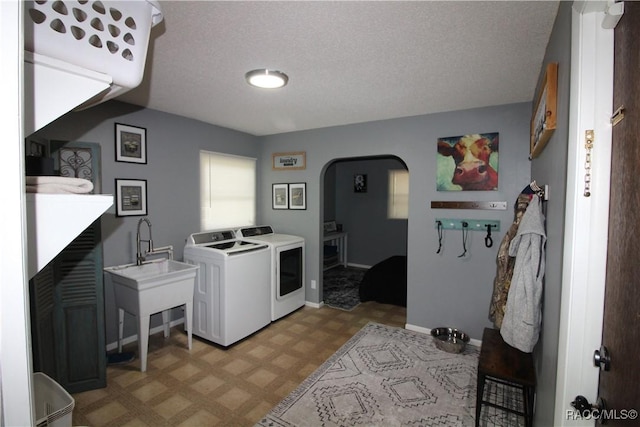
x=227, y=191
x=398, y=203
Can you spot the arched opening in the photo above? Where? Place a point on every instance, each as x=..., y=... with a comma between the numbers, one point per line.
x=365, y=205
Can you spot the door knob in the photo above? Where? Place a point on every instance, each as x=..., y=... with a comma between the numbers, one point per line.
x=602, y=359
x=588, y=411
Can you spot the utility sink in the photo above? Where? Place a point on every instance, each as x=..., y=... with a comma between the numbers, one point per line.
x=153, y=287
x=151, y=274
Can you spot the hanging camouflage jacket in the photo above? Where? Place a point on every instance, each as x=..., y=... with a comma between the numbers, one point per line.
x=505, y=264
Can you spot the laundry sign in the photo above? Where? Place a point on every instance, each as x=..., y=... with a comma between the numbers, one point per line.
x=290, y=161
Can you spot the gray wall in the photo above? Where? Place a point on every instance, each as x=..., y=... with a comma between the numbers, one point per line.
x=442, y=289
x=372, y=236
x=172, y=174
x=330, y=193
x=551, y=168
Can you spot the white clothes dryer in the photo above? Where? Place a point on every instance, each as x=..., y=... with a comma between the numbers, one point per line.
x=287, y=268
x=231, y=298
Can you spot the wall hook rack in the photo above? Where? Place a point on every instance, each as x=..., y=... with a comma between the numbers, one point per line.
x=472, y=224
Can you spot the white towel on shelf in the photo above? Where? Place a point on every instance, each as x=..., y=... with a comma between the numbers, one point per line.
x=58, y=184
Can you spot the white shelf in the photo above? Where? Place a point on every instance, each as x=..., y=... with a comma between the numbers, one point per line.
x=54, y=220
x=60, y=87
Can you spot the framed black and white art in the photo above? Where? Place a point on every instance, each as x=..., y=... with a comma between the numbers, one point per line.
x=360, y=183
x=131, y=144
x=298, y=196
x=280, y=196
x=131, y=197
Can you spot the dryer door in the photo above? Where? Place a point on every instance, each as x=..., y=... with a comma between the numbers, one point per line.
x=289, y=271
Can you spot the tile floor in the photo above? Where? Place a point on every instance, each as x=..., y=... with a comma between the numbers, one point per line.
x=213, y=386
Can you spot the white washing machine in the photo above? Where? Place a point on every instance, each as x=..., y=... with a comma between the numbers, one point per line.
x=231, y=298
x=287, y=268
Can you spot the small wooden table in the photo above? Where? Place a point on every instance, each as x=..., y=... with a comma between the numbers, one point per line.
x=506, y=365
x=338, y=238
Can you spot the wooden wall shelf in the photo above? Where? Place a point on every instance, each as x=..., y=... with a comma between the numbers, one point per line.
x=544, y=117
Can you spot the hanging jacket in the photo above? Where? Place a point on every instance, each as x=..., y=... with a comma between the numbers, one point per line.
x=505, y=264
x=521, y=323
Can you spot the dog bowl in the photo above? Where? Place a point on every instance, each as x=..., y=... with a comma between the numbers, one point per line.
x=449, y=339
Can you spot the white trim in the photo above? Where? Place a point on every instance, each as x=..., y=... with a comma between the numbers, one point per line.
x=314, y=304
x=353, y=264
x=237, y=156
x=586, y=218
x=134, y=338
x=416, y=328
x=16, y=380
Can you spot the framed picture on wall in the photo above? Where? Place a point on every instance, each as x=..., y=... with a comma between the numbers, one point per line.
x=298, y=196
x=360, y=183
x=131, y=144
x=280, y=196
x=454, y=173
x=131, y=197
x=296, y=160
x=330, y=227
x=544, y=118
x=37, y=148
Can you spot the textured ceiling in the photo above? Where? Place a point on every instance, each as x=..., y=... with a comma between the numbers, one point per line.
x=347, y=61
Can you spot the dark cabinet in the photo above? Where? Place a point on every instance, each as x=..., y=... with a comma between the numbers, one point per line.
x=67, y=315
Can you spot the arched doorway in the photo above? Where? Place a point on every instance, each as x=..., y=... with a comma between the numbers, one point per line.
x=357, y=194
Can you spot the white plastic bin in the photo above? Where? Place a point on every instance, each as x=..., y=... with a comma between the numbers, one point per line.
x=109, y=37
x=54, y=406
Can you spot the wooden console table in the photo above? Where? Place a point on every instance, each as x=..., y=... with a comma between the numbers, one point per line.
x=338, y=239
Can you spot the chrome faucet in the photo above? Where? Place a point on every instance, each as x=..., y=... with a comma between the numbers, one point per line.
x=139, y=257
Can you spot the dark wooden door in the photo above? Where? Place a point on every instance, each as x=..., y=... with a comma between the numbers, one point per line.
x=621, y=326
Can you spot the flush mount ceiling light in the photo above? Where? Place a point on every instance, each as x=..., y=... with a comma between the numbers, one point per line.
x=267, y=79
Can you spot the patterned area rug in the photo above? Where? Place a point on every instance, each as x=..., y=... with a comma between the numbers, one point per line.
x=385, y=376
x=341, y=287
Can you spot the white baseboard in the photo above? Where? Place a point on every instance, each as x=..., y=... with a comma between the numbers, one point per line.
x=415, y=328
x=157, y=329
x=477, y=343
x=424, y=330
x=351, y=264
x=313, y=304
x=134, y=338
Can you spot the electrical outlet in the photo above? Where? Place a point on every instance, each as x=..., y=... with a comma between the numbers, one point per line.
x=313, y=284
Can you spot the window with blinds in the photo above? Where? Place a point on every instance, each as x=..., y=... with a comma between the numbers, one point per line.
x=398, y=202
x=227, y=191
